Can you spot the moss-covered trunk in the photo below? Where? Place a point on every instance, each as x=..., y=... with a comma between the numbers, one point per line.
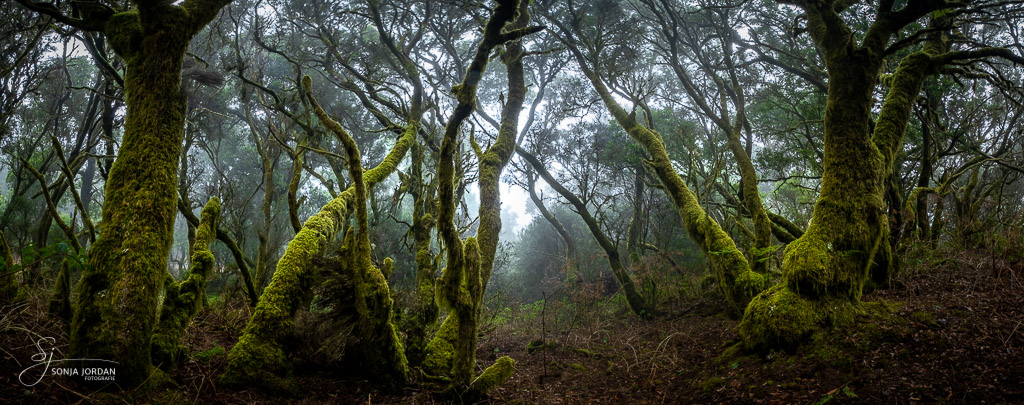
x=60, y=300
x=751, y=197
x=117, y=296
x=825, y=270
x=470, y=263
x=9, y=288
x=117, y=299
x=423, y=314
x=236, y=252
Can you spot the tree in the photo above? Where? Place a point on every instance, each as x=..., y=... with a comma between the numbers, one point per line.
x=452, y=352
x=116, y=308
x=738, y=281
x=825, y=270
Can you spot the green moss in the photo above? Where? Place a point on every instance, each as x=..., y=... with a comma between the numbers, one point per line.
x=206, y=355
x=712, y=384
x=781, y=318
x=819, y=348
x=577, y=367
x=441, y=350
x=535, y=345
x=386, y=267
x=492, y=377
x=424, y=312
x=118, y=295
x=253, y=364
x=584, y=352
x=749, y=284
x=124, y=32
x=730, y=354
x=925, y=318
x=259, y=357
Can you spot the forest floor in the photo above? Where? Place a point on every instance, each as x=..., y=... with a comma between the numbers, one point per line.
x=948, y=331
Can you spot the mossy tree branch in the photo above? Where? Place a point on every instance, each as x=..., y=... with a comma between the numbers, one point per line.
x=182, y=301
x=240, y=260
x=66, y=169
x=51, y=206
x=729, y=89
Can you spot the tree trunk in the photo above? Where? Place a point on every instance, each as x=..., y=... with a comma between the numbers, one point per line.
x=734, y=273
x=8, y=278
x=117, y=296
x=424, y=310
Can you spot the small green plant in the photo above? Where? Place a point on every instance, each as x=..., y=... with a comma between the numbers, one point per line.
x=207, y=355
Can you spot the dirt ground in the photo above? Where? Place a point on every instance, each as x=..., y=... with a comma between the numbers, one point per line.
x=949, y=330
